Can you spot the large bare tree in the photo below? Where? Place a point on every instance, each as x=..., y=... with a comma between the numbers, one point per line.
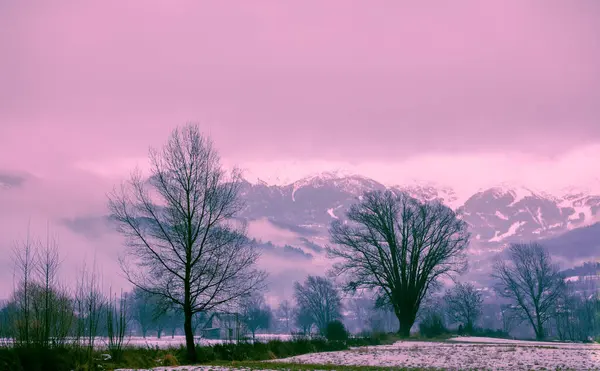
x=399, y=246
x=183, y=241
x=533, y=284
x=464, y=304
x=319, y=299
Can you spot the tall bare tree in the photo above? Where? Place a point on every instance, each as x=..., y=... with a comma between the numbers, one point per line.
x=90, y=302
x=319, y=298
x=117, y=320
x=530, y=280
x=399, y=246
x=183, y=242
x=464, y=304
x=25, y=261
x=47, y=269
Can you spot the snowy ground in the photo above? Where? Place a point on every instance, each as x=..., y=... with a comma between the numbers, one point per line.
x=466, y=353
x=460, y=353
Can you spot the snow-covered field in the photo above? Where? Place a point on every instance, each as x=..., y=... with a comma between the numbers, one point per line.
x=466, y=353
x=459, y=353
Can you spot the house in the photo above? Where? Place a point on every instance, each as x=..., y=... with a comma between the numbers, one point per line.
x=223, y=326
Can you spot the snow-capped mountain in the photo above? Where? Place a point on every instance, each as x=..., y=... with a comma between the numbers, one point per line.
x=430, y=192
x=503, y=214
x=585, y=207
x=496, y=215
x=312, y=202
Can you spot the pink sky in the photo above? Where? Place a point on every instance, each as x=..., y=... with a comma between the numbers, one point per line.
x=467, y=93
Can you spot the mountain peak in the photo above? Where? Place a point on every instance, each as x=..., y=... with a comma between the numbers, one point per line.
x=329, y=176
x=516, y=192
x=345, y=181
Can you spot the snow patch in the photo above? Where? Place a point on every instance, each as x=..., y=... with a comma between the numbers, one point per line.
x=519, y=194
x=511, y=232
x=501, y=216
x=540, y=219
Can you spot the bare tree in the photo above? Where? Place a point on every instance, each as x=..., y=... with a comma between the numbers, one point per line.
x=464, y=305
x=25, y=261
x=304, y=320
x=89, y=306
x=530, y=280
x=142, y=308
x=285, y=312
x=117, y=320
x=399, y=246
x=362, y=308
x=183, y=242
x=508, y=317
x=320, y=299
x=165, y=317
x=383, y=320
x=255, y=313
x=171, y=320
x=48, y=265
x=42, y=311
x=576, y=315
x=6, y=332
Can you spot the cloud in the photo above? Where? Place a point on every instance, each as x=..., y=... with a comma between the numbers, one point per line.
x=92, y=227
x=11, y=180
x=465, y=172
x=299, y=80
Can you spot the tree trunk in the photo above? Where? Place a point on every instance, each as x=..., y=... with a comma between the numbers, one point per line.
x=407, y=320
x=47, y=316
x=469, y=328
x=404, y=330
x=189, y=335
x=539, y=331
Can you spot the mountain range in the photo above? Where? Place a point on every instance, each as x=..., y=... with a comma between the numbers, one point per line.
x=496, y=216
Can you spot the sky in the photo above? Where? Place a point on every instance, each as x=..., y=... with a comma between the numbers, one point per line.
x=468, y=94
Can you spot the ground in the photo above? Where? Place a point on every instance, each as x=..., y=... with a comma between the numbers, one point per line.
x=458, y=353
